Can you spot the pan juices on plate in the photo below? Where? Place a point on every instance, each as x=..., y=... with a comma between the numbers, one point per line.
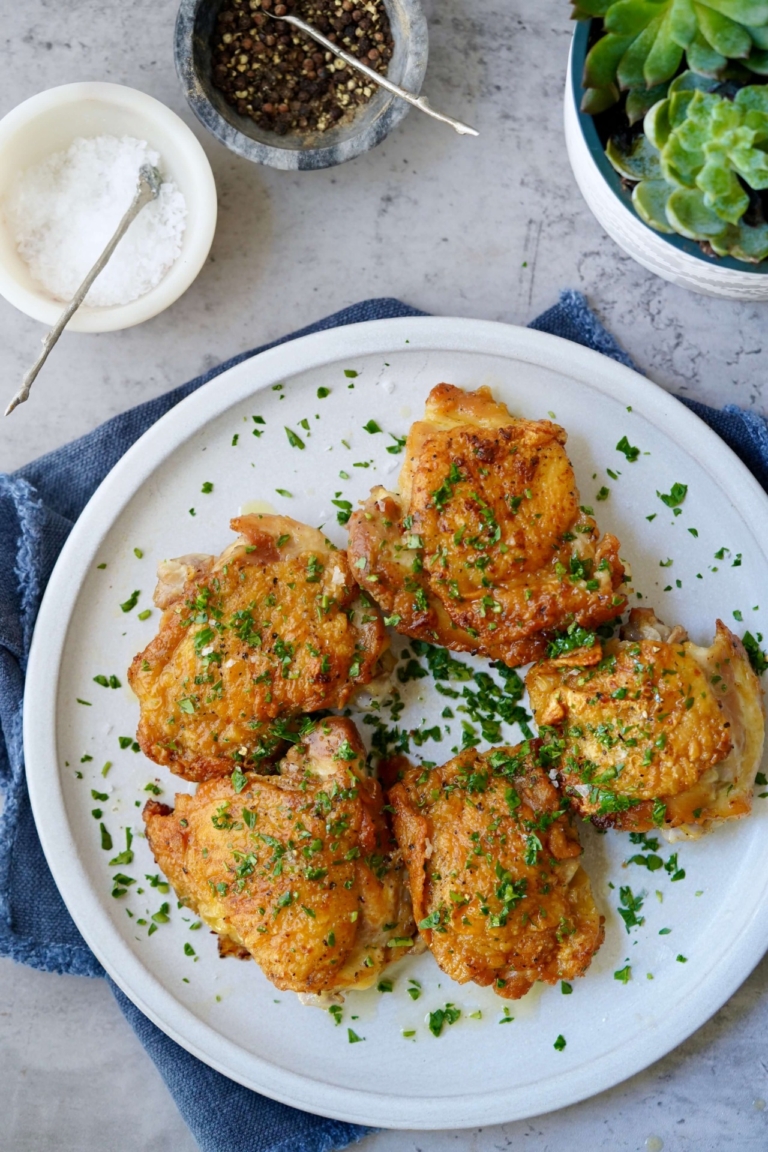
x=485, y=548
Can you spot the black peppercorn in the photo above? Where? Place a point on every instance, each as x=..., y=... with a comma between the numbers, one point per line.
x=280, y=78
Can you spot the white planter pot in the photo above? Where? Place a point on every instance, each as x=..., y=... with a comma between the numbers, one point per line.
x=674, y=258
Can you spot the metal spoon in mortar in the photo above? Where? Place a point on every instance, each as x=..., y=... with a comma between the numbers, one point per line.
x=147, y=190
x=419, y=102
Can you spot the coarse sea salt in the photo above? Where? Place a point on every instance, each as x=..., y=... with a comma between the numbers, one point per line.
x=64, y=210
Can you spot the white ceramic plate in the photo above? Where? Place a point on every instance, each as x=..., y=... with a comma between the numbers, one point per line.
x=225, y=1012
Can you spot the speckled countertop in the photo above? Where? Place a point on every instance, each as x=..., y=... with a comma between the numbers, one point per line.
x=491, y=228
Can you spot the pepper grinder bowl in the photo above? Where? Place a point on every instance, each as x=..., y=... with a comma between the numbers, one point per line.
x=49, y=122
x=371, y=122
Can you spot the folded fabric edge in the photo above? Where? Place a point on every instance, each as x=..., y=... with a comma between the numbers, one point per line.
x=573, y=319
x=59, y=959
x=28, y=510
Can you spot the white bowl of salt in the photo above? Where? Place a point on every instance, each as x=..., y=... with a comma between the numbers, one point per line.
x=69, y=164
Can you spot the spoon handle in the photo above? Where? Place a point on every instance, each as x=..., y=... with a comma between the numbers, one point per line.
x=146, y=191
x=419, y=102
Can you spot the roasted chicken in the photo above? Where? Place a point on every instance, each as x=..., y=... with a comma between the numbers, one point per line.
x=485, y=549
x=296, y=870
x=652, y=729
x=498, y=893
x=274, y=628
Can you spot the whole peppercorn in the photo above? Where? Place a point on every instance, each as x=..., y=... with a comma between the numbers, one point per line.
x=279, y=78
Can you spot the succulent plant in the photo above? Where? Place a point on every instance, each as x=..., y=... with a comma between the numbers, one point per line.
x=695, y=163
x=645, y=40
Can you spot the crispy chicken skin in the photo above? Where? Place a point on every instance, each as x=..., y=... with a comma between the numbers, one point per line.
x=296, y=870
x=655, y=730
x=498, y=892
x=273, y=628
x=485, y=549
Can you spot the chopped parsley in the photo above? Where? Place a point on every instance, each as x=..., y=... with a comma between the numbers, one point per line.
x=574, y=637
x=630, y=906
x=345, y=510
x=673, y=870
x=129, y=604
x=757, y=656
x=397, y=447
x=442, y=1016
x=675, y=497
x=629, y=451
x=239, y=781
x=294, y=440
x=444, y=493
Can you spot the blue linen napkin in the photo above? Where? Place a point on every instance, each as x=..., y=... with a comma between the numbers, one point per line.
x=38, y=506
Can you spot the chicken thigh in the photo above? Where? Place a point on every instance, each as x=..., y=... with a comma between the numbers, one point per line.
x=652, y=729
x=274, y=628
x=296, y=870
x=485, y=549
x=498, y=893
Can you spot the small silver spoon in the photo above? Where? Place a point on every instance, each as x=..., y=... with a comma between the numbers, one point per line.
x=148, y=189
x=419, y=102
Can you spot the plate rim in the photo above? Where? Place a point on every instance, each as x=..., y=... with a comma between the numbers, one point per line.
x=185, y=420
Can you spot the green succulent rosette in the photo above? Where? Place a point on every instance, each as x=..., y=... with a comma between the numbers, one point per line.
x=645, y=40
x=690, y=166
